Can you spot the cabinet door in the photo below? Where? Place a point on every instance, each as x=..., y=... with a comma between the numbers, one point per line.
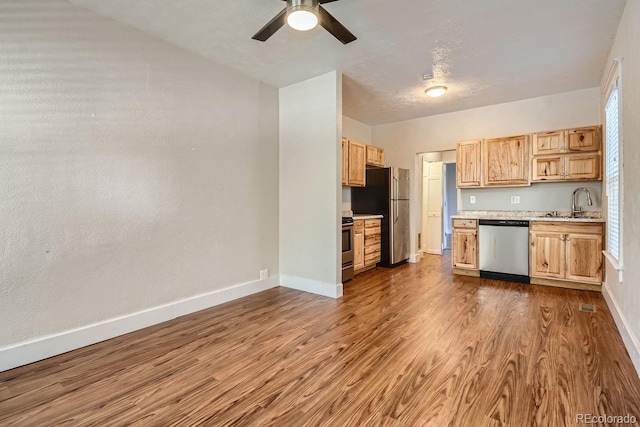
x=506, y=161
x=548, y=143
x=584, y=257
x=547, y=168
x=584, y=139
x=547, y=255
x=375, y=156
x=468, y=164
x=345, y=161
x=583, y=166
x=357, y=168
x=465, y=249
x=358, y=249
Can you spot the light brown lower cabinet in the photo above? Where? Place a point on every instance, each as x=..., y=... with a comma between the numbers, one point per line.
x=566, y=251
x=367, y=244
x=465, y=244
x=358, y=245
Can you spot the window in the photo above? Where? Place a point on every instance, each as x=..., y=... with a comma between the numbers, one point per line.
x=614, y=165
x=613, y=175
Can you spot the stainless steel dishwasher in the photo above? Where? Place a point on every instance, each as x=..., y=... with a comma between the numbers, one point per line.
x=504, y=249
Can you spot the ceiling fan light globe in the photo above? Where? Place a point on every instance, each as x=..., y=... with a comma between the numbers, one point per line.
x=436, y=91
x=302, y=20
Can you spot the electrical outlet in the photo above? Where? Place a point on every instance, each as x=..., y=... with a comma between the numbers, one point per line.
x=515, y=200
x=472, y=199
x=264, y=274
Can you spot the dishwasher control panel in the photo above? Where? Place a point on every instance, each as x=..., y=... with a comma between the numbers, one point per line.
x=505, y=222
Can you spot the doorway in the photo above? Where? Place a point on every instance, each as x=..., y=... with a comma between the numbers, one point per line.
x=439, y=200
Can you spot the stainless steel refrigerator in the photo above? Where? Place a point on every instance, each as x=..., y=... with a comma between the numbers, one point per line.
x=387, y=193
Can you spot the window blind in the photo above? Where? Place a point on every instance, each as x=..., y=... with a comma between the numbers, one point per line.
x=613, y=175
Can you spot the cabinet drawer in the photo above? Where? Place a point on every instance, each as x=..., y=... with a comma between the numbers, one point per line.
x=567, y=227
x=372, y=223
x=465, y=223
x=358, y=224
x=372, y=249
x=370, y=231
x=372, y=239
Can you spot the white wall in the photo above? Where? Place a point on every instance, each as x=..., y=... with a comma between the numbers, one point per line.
x=132, y=174
x=402, y=140
x=356, y=130
x=624, y=298
x=310, y=184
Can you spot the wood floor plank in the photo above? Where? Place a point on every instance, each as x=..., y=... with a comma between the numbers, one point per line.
x=413, y=345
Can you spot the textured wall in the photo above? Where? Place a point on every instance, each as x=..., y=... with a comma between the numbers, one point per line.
x=402, y=140
x=627, y=294
x=132, y=173
x=310, y=169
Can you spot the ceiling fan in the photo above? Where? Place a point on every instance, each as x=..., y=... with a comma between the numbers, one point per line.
x=304, y=15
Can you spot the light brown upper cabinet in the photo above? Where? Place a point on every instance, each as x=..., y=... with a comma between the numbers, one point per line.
x=577, y=167
x=568, y=141
x=584, y=139
x=549, y=142
x=353, y=163
x=375, y=156
x=567, y=155
x=468, y=164
x=505, y=161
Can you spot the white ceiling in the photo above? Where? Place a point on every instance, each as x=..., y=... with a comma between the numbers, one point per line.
x=486, y=52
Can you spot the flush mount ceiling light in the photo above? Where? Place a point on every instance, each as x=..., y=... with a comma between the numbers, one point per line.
x=304, y=15
x=436, y=91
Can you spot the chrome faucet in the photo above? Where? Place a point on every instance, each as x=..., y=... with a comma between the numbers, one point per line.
x=575, y=211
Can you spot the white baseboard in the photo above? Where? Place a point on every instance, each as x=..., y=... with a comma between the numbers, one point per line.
x=52, y=345
x=312, y=286
x=631, y=342
x=415, y=258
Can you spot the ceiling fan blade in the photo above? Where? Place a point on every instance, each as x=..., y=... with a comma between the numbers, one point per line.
x=274, y=25
x=326, y=1
x=332, y=25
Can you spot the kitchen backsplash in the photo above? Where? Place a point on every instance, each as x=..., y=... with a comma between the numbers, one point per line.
x=537, y=197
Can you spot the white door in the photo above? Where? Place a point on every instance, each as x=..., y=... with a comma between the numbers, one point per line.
x=432, y=207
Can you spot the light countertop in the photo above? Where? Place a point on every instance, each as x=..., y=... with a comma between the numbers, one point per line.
x=366, y=216
x=563, y=216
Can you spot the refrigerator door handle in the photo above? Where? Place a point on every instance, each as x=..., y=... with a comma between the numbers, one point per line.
x=395, y=219
x=395, y=188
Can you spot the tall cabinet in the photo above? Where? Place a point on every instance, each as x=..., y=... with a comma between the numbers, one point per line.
x=505, y=161
x=468, y=170
x=353, y=163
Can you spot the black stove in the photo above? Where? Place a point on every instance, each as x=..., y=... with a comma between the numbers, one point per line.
x=347, y=220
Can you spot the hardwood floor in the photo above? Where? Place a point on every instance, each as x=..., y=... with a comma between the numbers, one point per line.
x=409, y=346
